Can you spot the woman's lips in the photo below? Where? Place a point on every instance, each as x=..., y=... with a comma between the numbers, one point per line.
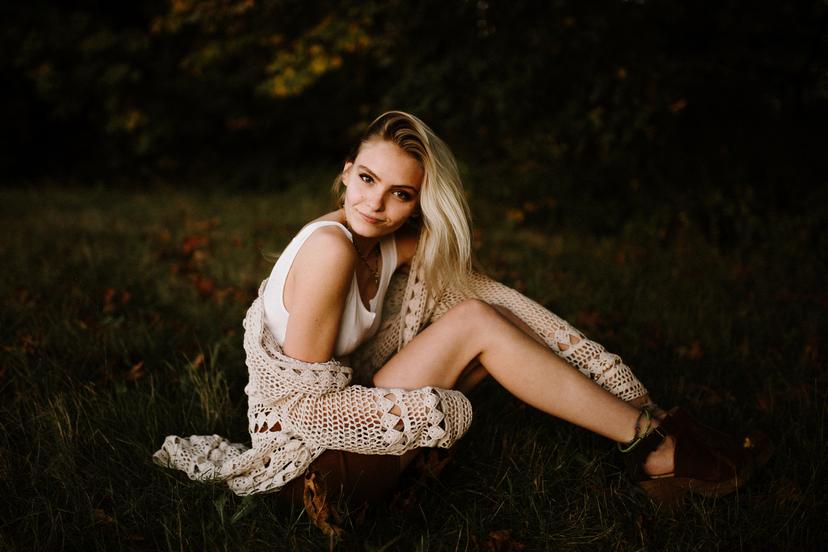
x=369, y=220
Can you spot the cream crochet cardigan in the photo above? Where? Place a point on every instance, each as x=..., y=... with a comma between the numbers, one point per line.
x=315, y=407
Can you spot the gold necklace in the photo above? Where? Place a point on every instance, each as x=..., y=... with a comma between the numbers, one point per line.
x=373, y=270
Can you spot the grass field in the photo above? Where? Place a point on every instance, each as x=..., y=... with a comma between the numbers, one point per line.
x=121, y=323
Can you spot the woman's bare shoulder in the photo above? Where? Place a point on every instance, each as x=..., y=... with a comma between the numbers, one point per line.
x=326, y=246
x=327, y=240
x=321, y=270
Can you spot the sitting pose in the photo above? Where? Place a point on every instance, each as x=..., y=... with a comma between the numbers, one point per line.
x=373, y=324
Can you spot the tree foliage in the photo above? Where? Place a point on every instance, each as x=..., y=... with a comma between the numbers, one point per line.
x=166, y=85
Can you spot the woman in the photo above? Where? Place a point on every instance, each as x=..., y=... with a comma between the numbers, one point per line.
x=443, y=329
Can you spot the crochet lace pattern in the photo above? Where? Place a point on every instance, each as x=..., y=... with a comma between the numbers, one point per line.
x=297, y=409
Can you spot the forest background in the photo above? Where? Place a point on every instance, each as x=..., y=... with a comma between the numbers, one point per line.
x=653, y=171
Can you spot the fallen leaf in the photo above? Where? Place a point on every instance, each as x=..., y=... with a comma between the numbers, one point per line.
x=221, y=295
x=163, y=235
x=29, y=343
x=102, y=517
x=764, y=402
x=678, y=105
x=693, y=352
x=515, y=215
x=109, y=300
x=23, y=297
x=194, y=242
x=114, y=299
x=136, y=372
x=810, y=353
x=319, y=511
x=499, y=541
x=530, y=207
x=204, y=285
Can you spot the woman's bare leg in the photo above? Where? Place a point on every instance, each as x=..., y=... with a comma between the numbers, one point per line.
x=476, y=331
x=476, y=372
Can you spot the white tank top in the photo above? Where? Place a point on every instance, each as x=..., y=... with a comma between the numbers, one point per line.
x=358, y=323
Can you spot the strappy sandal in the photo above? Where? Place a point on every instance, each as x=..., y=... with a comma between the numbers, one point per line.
x=708, y=462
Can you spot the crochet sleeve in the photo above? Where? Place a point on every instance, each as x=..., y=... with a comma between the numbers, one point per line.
x=379, y=421
x=312, y=401
x=589, y=357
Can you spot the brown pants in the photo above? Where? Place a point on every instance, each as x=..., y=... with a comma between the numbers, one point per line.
x=354, y=478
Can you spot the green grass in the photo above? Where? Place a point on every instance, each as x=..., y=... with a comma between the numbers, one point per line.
x=121, y=323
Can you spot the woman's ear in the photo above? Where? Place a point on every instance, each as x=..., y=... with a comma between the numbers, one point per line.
x=345, y=170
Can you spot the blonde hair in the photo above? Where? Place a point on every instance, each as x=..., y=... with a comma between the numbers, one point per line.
x=444, y=248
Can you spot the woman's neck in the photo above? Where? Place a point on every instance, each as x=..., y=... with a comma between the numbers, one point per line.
x=363, y=244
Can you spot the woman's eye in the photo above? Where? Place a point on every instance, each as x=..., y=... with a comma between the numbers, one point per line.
x=405, y=196
x=366, y=178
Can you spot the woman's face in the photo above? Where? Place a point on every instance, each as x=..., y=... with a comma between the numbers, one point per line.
x=382, y=188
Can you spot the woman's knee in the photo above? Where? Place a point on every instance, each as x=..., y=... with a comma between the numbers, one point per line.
x=473, y=312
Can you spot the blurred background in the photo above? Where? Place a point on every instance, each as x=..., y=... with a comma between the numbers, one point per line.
x=617, y=100
x=655, y=172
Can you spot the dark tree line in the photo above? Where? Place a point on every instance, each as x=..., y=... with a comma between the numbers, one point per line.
x=155, y=87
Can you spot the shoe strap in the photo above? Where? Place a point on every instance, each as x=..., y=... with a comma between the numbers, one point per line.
x=634, y=459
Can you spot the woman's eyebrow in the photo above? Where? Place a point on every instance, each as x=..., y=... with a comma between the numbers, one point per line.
x=412, y=189
x=369, y=171
x=378, y=179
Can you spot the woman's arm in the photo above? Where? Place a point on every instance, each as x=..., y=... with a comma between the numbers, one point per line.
x=357, y=419
x=380, y=421
x=315, y=294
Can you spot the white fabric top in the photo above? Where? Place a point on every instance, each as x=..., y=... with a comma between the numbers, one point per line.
x=358, y=323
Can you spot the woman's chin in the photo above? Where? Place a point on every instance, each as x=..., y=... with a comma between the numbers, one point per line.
x=367, y=227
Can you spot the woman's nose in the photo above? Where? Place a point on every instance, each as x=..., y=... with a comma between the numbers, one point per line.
x=374, y=199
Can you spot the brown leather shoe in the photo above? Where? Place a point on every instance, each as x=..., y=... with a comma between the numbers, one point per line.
x=706, y=461
x=750, y=449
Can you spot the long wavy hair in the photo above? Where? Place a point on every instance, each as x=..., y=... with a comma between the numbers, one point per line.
x=444, y=248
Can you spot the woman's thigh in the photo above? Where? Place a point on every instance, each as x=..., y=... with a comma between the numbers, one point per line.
x=475, y=372
x=438, y=355
x=444, y=354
